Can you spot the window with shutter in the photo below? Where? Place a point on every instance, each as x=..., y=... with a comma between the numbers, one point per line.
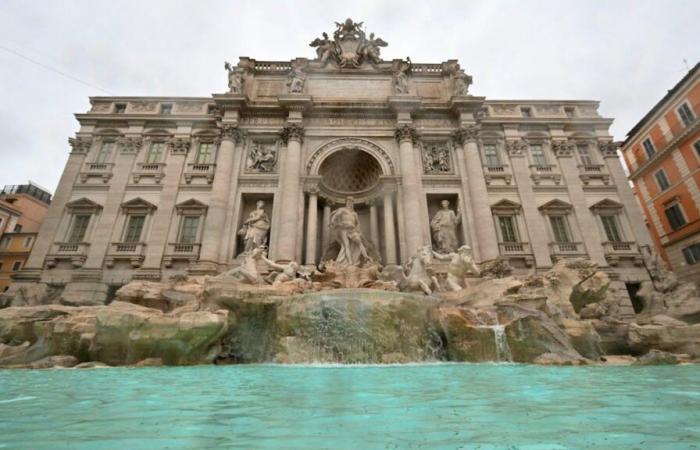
x=560, y=229
x=134, y=228
x=79, y=228
x=612, y=230
x=188, y=233
x=155, y=153
x=508, y=228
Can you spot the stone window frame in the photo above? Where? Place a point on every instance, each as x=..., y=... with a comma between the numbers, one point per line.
x=573, y=111
x=134, y=207
x=591, y=146
x=79, y=207
x=425, y=142
x=100, y=138
x=189, y=208
x=205, y=137
x=675, y=202
x=120, y=108
x=560, y=208
x=649, y=150
x=165, y=108
x=612, y=208
x=691, y=253
x=689, y=111
x=696, y=147
x=665, y=182
x=505, y=207
x=539, y=138
x=498, y=142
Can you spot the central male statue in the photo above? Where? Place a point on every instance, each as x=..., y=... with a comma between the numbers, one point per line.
x=345, y=232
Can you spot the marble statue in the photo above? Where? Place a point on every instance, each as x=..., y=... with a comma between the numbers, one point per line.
x=462, y=83
x=345, y=229
x=255, y=228
x=444, y=225
x=461, y=264
x=261, y=159
x=402, y=70
x=296, y=80
x=325, y=48
x=248, y=271
x=418, y=276
x=281, y=272
x=350, y=46
x=235, y=79
x=370, y=51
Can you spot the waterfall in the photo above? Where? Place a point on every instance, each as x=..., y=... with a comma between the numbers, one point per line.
x=502, y=350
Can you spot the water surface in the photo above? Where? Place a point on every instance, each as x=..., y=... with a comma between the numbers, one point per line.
x=448, y=406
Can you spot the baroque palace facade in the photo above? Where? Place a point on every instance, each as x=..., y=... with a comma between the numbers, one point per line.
x=161, y=186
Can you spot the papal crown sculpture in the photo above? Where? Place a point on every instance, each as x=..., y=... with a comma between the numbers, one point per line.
x=339, y=159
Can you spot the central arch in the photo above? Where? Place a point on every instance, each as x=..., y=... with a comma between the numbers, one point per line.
x=382, y=158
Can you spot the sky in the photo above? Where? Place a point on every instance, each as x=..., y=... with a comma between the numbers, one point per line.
x=626, y=54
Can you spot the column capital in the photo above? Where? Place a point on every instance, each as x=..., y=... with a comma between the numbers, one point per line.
x=608, y=149
x=312, y=189
x=231, y=132
x=466, y=134
x=130, y=144
x=292, y=132
x=406, y=132
x=80, y=144
x=562, y=149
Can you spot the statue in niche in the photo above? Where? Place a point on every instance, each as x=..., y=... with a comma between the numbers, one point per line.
x=402, y=69
x=324, y=48
x=444, y=226
x=262, y=159
x=436, y=159
x=235, y=78
x=296, y=80
x=255, y=228
x=370, y=51
x=346, y=237
x=461, y=83
x=461, y=265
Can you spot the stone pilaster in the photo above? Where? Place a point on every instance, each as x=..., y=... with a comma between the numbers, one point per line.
x=374, y=223
x=483, y=221
x=325, y=226
x=389, y=232
x=289, y=190
x=406, y=135
x=214, y=225
x=312, y=227
x=47, y=231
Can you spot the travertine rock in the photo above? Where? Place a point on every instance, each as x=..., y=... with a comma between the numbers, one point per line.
x=659, y=358
x=667, y=334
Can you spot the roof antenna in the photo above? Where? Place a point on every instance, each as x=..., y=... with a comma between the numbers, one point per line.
x=685, y=63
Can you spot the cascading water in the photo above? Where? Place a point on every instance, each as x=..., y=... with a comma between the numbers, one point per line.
x=502, y=349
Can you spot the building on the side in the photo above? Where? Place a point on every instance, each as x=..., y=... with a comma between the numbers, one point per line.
x=158, y=186
x=22, y=209
x=662, y=153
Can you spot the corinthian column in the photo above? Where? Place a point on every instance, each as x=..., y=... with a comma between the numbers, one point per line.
x=312, y=226
x=293, y=136
x=214, y=225
x=476, y=185
x=389, y=234
x=410, y=184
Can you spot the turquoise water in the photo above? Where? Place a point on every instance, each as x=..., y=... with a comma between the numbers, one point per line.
x=350, y=407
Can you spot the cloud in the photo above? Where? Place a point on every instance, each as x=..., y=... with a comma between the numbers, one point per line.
x=625, y=54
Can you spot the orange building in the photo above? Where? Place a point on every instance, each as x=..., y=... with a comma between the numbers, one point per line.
x=662, y=153
x=22, y=209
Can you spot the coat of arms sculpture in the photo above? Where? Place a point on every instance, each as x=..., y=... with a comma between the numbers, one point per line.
x=350, y=46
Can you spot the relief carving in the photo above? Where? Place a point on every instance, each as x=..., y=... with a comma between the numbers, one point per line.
x=143, y=106
x=178, y=145
x=130, y=144
x=262, y=158
x=436, y=159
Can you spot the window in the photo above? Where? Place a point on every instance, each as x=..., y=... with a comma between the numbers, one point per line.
x=570, y=112
x=692, y=253
x=105, y=152
x=526, y=112
x=5, y=242
x=490, y=155
x=188, y=232
x=612, y=228
x=0, y=267
x=79, y=228
x=211, y=109
x=649, y=148
x=537, y=153
x=509, y=231
x=134, y=227
x=204, y=153
x=560, y=229
x=155, y=153
x=584, y=154
x=16, y=266
x=686, y=114
x=675, y=216
x=662, y=180
x=18, y=228
x=120, y=108
x=696, y=145
x=166, y=108
x=28, y=241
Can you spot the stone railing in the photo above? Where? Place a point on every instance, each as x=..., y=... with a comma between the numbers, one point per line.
x=204, y=170
x=615, y=251
x=514, y=248
x=96, y=169
x=154, y=170
x=538, y=172
x=497, y=171
x=177, y=251
x=75, y=252
x=546, y=168
x=126, y=251
x=587, y=172
x=566, y=249
x=591, y=168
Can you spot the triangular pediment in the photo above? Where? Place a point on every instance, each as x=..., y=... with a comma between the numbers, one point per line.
x=191, y=204
x=83, y=203
x=138, y=203
x=608, y=204
x=556, y=205
x=505, y=204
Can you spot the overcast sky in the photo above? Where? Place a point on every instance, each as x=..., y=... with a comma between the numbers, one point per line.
x=626, y=54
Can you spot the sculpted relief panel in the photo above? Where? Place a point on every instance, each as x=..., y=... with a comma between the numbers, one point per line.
x=436, y=158
x=262, y=157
